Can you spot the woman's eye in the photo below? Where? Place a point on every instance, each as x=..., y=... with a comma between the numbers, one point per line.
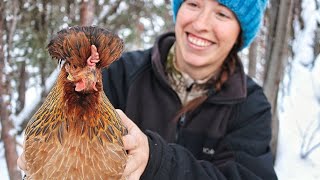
x=192, y=4
x=223, y=15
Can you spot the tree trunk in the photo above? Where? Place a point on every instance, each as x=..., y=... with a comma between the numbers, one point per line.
x=87, y=12
x=7, y=137
x=8, y=140
x=316, y=44
x=275, y=63
x=70, y=8
x=253, y=59
x=22, y=87
x=317, y=40
x=43, y=30
x=272, y=16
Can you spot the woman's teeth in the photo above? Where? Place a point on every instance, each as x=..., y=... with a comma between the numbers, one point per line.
x=198, y=42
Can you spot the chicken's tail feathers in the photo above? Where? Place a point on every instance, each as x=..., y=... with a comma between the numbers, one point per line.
x=73, y=44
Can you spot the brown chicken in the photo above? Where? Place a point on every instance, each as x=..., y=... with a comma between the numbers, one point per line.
x=76, y=133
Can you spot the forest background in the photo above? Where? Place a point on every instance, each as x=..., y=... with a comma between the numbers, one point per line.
x=284, y=60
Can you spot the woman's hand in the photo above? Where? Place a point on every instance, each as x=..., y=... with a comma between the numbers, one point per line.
x=137, y=146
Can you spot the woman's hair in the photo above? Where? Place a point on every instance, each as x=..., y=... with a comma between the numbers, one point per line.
x=227, y=69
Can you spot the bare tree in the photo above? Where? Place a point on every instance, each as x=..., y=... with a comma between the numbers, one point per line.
x=253, y=53
x=7, y=136
x=280, y=15
x=22, y=87
x=87, y=12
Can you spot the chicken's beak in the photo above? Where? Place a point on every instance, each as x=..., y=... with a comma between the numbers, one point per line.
x=92, y=78
x=70, y=78
x=87, y=80
x=84, y=79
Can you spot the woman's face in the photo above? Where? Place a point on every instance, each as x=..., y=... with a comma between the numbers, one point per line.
x=205, y=33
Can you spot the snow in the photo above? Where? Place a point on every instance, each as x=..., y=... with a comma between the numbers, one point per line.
x=300, y=109
x=300, y=113
x=33, y=98
x=3, y=164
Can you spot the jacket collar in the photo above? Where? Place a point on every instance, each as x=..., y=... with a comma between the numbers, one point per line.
x=233, y=91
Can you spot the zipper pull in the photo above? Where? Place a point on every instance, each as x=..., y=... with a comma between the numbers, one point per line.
x=180, y=124
x=182, y=120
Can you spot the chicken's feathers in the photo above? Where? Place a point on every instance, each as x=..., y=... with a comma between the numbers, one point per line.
x=73, y=44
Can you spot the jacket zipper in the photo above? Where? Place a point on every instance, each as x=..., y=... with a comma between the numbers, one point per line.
x=182, y=120
x=175, y=95
x=180, y=124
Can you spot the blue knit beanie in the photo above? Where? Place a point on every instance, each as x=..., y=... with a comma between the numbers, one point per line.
x=248, y=12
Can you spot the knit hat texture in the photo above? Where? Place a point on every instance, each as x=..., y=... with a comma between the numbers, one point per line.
x=248, y=12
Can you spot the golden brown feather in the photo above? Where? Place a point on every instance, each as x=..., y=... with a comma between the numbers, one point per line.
x=76, y=133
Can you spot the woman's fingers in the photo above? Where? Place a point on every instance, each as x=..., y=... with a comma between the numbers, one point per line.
x=131, y=166
x=133, y=176
x=136, y=143
x=129, y=142
x=125, y=120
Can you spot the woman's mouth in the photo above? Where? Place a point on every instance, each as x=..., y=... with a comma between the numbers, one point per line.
x=197, y=41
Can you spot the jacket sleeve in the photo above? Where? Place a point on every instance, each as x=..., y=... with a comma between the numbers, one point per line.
x=243, y=153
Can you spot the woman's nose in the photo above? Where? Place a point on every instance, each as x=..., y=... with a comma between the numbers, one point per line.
x=202, y=21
